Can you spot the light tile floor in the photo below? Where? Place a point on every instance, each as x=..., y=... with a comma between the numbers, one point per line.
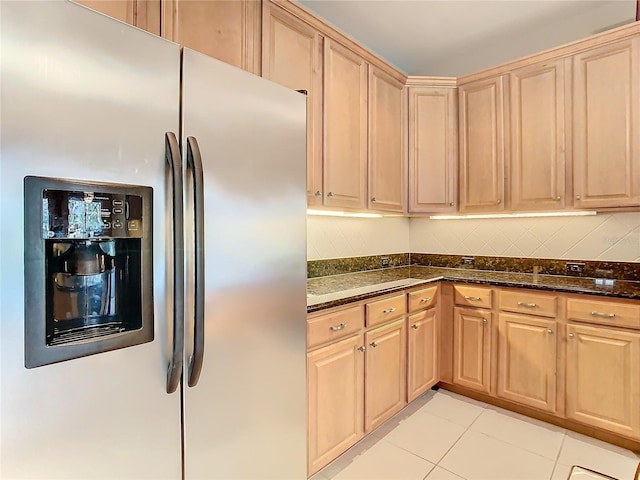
x=444, y=436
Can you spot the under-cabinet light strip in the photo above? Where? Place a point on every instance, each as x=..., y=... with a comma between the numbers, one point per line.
x=514, y=215
x=334, y=213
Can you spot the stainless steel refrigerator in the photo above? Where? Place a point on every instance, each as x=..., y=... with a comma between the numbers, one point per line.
x=87, y=98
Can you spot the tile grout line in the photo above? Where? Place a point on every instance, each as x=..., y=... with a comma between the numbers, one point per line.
x=555, y=465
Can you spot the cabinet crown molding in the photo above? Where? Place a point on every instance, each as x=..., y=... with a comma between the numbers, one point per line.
x=430, y=81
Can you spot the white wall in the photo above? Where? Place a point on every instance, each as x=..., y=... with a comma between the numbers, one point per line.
x=336, y=237
x=612, y=237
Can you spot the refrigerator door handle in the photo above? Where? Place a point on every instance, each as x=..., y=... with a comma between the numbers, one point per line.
x=172, y=155
x=194, y=165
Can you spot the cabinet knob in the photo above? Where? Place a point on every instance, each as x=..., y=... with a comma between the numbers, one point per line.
x=549, y=330
x=558, y=198
x=484, y=320
x=578, y=197
x=414, y=326
x=571, y=335
x=499, y=201
x=374, y=199
x=362, y=348
x=318, y=193
x=451, y=204
x=330, y=194
x=374, y=344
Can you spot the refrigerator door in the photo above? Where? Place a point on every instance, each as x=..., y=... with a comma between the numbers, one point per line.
x=84, y=97
x=246, y=416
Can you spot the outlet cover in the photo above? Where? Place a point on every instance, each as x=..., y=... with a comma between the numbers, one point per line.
x=385, y=261
x=574, y=268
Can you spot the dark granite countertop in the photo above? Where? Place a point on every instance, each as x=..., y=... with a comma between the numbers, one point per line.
x=335, y=290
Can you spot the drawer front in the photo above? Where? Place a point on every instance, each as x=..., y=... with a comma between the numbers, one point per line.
x=423, y=298
x=386, y=309
x=604, y=312
x=478, y=297
x=334, y=326
x=531, y=303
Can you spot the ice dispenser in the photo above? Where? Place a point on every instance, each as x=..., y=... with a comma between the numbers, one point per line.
x=88, y=268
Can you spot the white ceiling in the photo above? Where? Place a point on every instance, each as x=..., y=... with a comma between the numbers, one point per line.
x=456, y=37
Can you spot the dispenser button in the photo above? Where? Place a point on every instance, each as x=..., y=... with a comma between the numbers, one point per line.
x=118, y=224
x=117, y=210
x=133, y=225
x=117, y=203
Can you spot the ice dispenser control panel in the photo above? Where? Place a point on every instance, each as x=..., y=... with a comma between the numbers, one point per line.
x=76, y=214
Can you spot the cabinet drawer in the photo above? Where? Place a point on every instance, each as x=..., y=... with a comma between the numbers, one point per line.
x=526, y=301
x=333, y=326
x=423, y=298
x=386, y=309
x=479, y=297
x=605, y=312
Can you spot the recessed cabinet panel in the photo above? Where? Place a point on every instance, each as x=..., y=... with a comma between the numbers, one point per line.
x=603, y=378
x=482, y=138
x=433, y=149
x=386, y=157
x=345, y=127
x=606, y=125
x=537, y=137
x=226, y=30
x=291, y=56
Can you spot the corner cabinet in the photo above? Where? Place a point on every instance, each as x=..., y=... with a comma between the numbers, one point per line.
x=606, y=125
x=292, y=56
x=345, y=127
x=538, y=137
x=386, y=172
x=433, y=149
x=482, y=145
x=226, y=30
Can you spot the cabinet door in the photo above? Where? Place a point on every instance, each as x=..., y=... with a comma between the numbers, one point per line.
x=527, y=360
x=291, y=56
x=386, y=152
x=433, y=150
x=606, y=125
x=537, y=137
x=144, y=14
x=335, y=376
x=603, y=378
x=345, y=127
x=385, y=381
x=482, y=150
x=223, y=29
x=422, y=368
x=472, y=348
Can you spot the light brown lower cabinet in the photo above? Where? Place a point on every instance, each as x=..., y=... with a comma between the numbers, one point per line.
x=603, y=378
x=472, y=348
x=385, y=367
x=335, y=383
x=527, y=360
x=422, y=348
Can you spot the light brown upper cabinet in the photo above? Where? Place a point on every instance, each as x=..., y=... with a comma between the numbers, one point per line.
x=482, y=145
x=345, y=127
x=224, y=29
x=292, y=56
x=606, y=125
x=433, y=149
x=386, y=146
x=143, y=14
x=538, y=136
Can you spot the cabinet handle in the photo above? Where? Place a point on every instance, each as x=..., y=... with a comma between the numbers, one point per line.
x=374, y=199
x=578, y=197
x=362, y=348
x=484, y=320
x=549, y=330
x=425, y=299
x=571, y=335
x=330, y=194
x=389, y=310
x=318, y=193
x=602, y=314
x=525, y=304
x=414, y=326
x=335, y=328
x=374, y=344
x=472, y=298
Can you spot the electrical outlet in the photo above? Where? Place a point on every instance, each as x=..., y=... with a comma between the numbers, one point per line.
x=468, y=260
x=575, y=268
x=385, y=261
